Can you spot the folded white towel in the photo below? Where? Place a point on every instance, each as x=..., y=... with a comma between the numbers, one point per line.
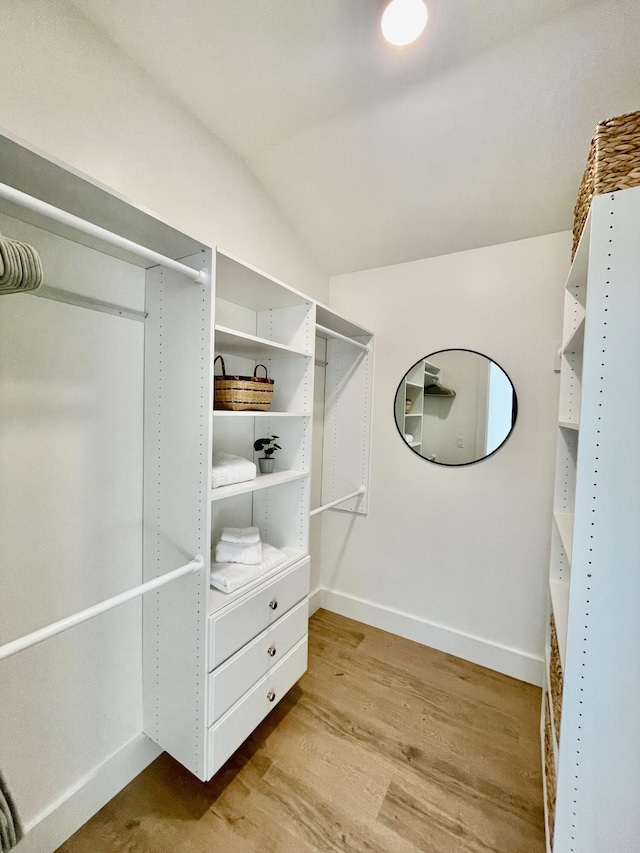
x=240, y=535
x=228, y=469
x=234, y=552
x=271, y=557
x=228, y=577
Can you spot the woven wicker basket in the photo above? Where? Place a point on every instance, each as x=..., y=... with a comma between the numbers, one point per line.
x=242, y=393
x=549, y=769
x=613, y=164
x=555, y=679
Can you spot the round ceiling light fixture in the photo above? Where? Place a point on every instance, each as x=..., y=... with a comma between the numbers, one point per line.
x=403, y=21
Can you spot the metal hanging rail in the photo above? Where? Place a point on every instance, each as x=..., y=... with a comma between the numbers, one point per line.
x=358, y=493
x=323, y=330
x=18, y=197
x=41, y=634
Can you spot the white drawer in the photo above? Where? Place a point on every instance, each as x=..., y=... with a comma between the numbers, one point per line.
x=234, y=627
x=236, y=725
x=233, y=678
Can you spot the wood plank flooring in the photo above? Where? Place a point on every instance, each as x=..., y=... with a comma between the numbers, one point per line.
x=384, y=746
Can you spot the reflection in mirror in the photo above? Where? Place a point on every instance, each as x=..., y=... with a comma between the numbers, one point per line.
x=455, y=406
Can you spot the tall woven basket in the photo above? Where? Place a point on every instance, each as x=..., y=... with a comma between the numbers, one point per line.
x=549, y=769
x=242, y=393
x=613, y=164
x=555, y=679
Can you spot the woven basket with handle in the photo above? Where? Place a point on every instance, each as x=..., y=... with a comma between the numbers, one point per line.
x=242, y=393
x=613, y=164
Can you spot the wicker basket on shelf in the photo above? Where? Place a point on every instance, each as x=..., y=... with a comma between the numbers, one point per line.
x=555, y=679
x=242, y=393
x=549, y=769
x=613, y=164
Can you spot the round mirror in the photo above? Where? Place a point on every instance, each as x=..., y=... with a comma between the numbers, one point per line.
x=455, y=407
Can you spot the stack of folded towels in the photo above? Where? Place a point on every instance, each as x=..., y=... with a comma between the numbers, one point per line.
x=240, y=557
x=228, y=469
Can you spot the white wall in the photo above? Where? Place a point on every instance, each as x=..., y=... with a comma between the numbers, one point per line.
x=457, y=557
x=70, y=93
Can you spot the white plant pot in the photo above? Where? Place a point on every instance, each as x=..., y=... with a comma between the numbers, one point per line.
x=266, y=465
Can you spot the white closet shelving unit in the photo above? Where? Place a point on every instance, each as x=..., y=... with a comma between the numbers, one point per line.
x=83, y=380
x=245, y=649
x=590, y=739
x=213, y=665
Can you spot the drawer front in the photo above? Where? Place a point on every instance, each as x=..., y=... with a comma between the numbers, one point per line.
x=236, y=725
x=233, y=678
x=235, y=627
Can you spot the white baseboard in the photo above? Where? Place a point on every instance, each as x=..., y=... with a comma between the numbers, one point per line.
x=500, y=658
x=315, y=600
x=71, y=810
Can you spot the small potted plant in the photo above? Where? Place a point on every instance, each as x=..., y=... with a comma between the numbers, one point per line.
x=268, y=446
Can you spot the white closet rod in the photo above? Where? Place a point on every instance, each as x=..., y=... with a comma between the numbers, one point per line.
x=331, y=504
x=329, y=333
x=69, y=298
x=41, y=634
x=58, y=215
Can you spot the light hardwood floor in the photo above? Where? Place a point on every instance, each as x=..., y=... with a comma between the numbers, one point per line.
x=384, y=746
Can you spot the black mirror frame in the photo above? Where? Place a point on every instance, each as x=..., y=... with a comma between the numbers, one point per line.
x=514, y=411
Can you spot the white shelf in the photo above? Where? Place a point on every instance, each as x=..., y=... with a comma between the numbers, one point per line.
x=564, y=523
x=262, y=481
x=431, y=370
x=415, y=443
x=218, y=599
x=560, y=605
x=231, y=342
x=244, y=284
x=331, y=320
x=569, y=424
x=227, y=413
x=54, y=184
x=415, y=385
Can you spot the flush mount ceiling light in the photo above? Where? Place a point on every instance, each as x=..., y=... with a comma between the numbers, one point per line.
x=403, y=21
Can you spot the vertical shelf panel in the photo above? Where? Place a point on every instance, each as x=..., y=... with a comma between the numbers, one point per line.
x=566, y=458
x=571, y=387
x=178, y=403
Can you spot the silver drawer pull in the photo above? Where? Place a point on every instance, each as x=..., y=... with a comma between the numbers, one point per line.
x=271, y=696
x=271, y=651
x=273, y=604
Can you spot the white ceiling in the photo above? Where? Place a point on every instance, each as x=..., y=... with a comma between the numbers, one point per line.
x=476, y=134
